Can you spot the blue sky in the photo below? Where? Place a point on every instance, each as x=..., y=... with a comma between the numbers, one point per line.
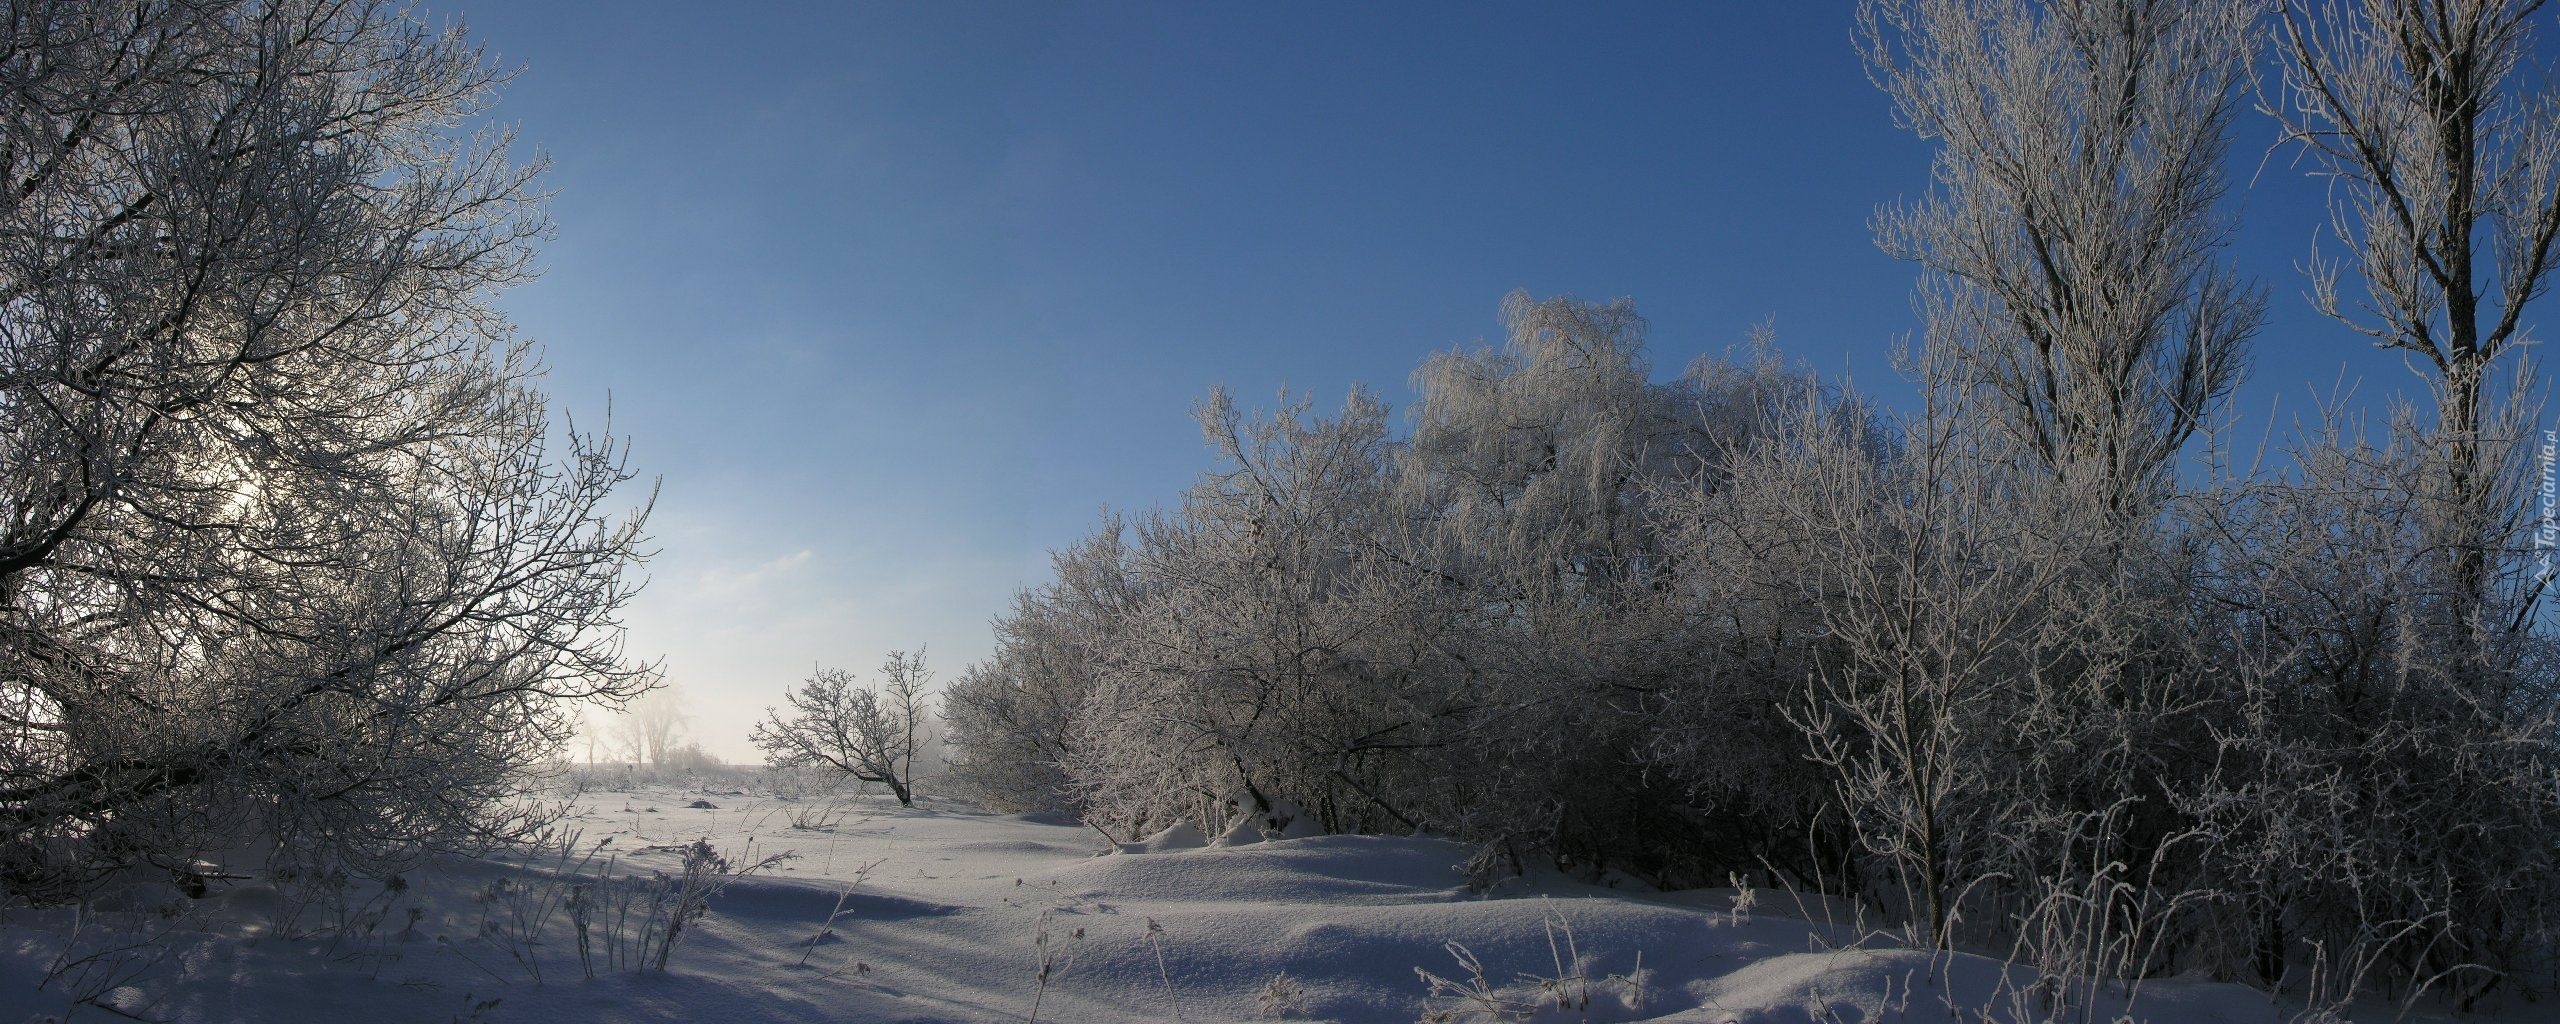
x=896, y=297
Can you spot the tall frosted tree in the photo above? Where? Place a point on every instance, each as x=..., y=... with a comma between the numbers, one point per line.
x=2444, y=154
x=2080, y=326
x=2071, y=239
x=2414, y=622
x=287, y=539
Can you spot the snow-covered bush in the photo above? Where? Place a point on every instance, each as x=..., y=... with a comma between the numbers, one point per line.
x=1896, y=659
x=1269, y=662
x=1532, y=479
x=2384, y=757
x=1007, y=717
x=1480, y=630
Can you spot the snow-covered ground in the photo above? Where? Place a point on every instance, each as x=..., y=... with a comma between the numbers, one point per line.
x=945, y=913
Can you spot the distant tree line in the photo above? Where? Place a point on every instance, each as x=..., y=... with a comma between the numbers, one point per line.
x=2042, y=664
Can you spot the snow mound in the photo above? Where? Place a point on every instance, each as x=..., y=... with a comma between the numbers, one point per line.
x=1245, y=832
x=1184, y=836
x=1346, y=870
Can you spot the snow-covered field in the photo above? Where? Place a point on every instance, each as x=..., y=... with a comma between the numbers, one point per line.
x=945, y=913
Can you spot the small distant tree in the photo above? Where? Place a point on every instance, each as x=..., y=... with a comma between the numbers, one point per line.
x=868, y=733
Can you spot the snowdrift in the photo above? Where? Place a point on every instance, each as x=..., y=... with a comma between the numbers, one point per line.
x=944, y=914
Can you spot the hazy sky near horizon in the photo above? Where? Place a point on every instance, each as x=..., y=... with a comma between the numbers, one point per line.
x=894, y=298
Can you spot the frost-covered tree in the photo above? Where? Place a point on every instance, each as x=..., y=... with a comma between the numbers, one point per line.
x=868, y=734
x=1758, y=577
x=2072, y=238
x=1914, y=688
x=1537, y=473
x=2374, y=772
x=1008, y=716
x=288, y=543
x=2387, y=598
x=2075, y=303
x=1478, y=632
x=1266, y=671
x=2442, y=143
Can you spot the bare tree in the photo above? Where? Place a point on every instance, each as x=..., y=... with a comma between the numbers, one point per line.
x=2416, y=618
x=287, y=539
x=649, y=730
x=867, y=734
x=2446, y=167
x=2072, y=237
x=1937, y=594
